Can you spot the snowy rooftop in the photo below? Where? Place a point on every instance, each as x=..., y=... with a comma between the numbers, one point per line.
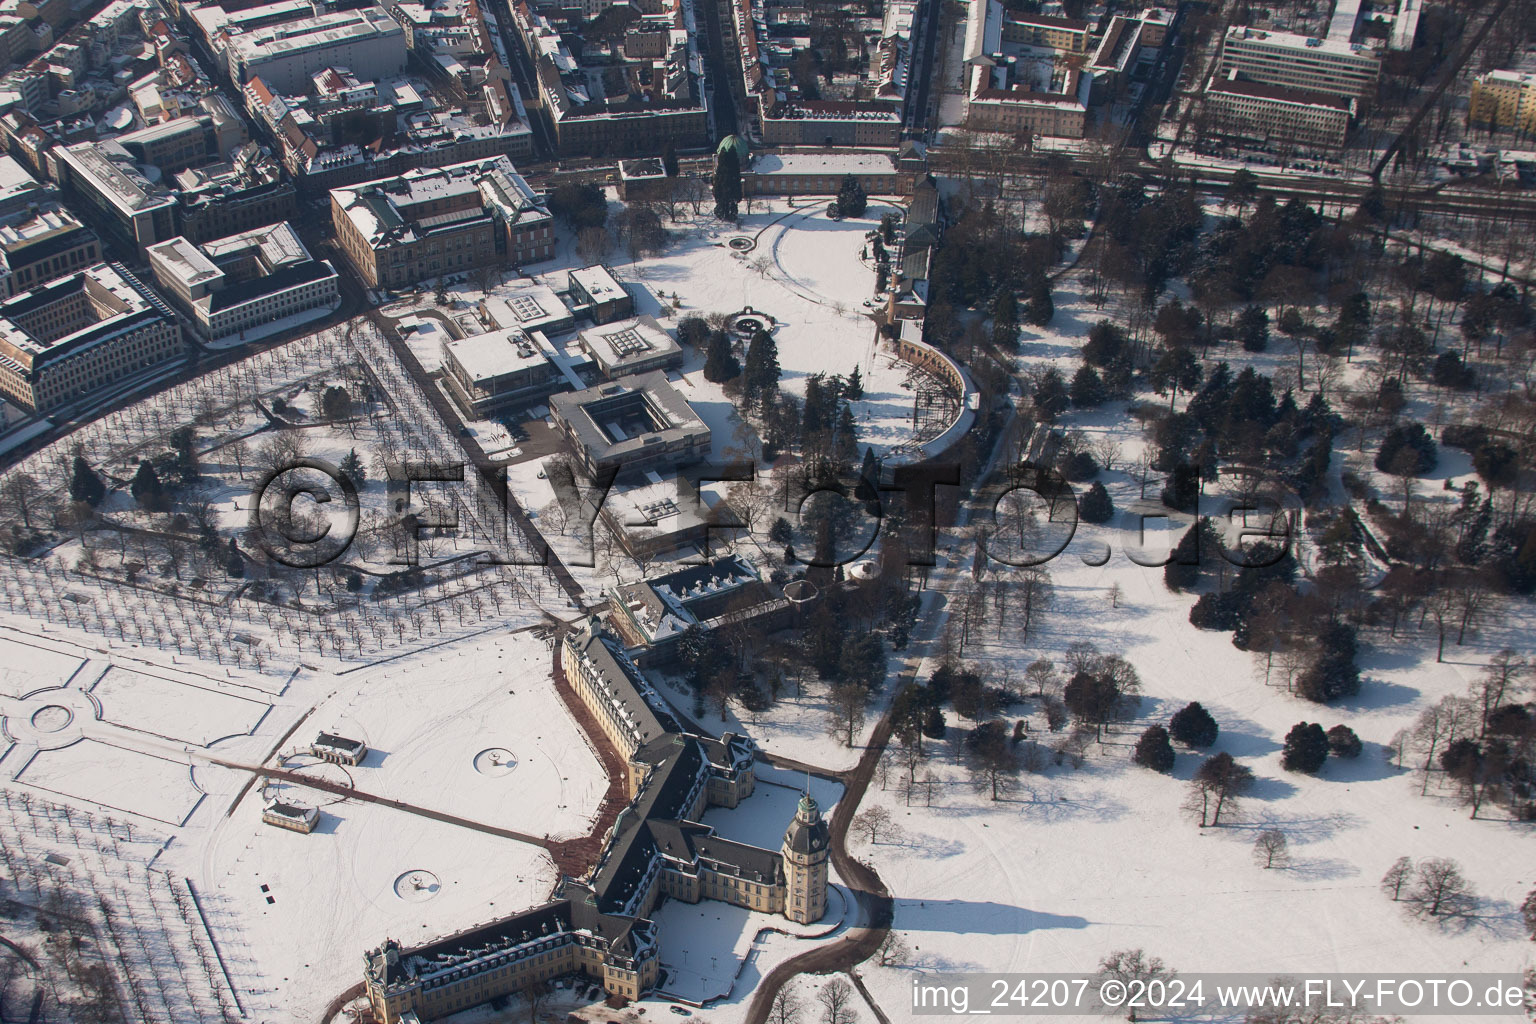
x=598, y=282
x=485, y=357
x=1295, y=41
x=385, y=211
x=527, y=304
x=14, y=179
x=22, y=233
x=835, y=162
x=623, y=343
x=275, y=245
x=178, y=259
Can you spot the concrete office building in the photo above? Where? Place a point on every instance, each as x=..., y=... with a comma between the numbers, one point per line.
x=232, y=285
x=1269, y=113
x=1299, y=62
x=113, y=195
x=636, y=345
x=366, y=40
x=598, y=295
x=633, y=424
x=488, y=374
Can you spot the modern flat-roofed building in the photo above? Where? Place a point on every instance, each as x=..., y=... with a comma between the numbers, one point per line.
x=821, y=173
x=527, y=305
x=598, y=295
x=42, y=247
x=113, y=195
x=632, y=424
x=643, y=180
x=487, y=374
x=1251, y=110
x=18, y=190
x=1504, y=99
x=1299, y=62
x=231, y=285
x=63, y=340
x=190, y=141
x=636, y=345
x=366, y=40
x=441, y=220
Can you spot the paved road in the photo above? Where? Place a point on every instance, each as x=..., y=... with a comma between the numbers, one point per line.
x=875, y=907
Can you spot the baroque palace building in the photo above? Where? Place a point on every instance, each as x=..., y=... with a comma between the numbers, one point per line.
x=599, y=925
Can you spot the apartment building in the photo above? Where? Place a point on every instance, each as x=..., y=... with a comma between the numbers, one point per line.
x=1504, y=99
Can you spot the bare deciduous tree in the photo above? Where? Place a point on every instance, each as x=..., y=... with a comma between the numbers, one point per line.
x=836, y=999
x=1271, y=849
x=786, y=1008
x=875, y=822
x=1441, y=890
x=1397, y=877
x=892, y=951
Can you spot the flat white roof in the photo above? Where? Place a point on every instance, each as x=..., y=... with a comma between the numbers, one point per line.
x=1295, y=41
x=488, y=356
x=14, y=178
x=639, y=337
x=597, y=282
x=525, y=304
x=182, y=261
x=824, y=163
x=277, y=244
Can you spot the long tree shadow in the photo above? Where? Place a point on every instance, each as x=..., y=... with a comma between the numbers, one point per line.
x=1376, y=694
x=978, y=917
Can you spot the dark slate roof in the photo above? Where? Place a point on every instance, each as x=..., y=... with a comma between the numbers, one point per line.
x=807, y=837
x=522, y=927
x=629, y=688
x=751, y=862
x=291, y=276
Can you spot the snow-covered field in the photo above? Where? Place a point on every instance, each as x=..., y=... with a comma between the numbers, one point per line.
x=462, y=721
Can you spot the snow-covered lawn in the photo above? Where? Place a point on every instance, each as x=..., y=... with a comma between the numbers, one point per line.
x=141, y=701
x=26, y=667
x=428, y=720
x=117, y=778
x=304, y=908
